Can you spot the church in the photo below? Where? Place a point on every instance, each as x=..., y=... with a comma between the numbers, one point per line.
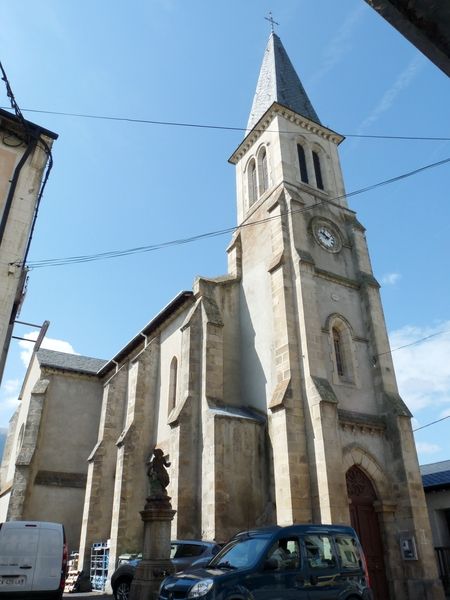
x=271, y=389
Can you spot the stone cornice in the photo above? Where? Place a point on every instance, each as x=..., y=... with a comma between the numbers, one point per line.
x=363, y=422
x=335, y=278
x=267, y=118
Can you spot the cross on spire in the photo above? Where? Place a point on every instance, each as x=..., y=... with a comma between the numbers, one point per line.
x=271, y=21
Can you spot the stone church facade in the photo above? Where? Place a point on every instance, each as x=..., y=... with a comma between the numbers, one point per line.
x=271, y=389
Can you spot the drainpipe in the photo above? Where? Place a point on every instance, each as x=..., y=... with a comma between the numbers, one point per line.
x=12, y=188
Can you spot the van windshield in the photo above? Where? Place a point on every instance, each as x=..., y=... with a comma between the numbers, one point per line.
x=240, y=553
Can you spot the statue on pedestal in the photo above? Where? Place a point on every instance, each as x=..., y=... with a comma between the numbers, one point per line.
x=157, y=475
x=157, y=516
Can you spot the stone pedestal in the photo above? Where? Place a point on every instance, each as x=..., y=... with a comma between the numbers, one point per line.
x=155, y=565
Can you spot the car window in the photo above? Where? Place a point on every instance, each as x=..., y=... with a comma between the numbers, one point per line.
x=348, y=552
x=286, y=553
x=241, y=552
x=182, y=550
x=319, y=551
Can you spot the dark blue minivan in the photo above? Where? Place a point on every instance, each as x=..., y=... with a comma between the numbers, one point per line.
x=301, y=562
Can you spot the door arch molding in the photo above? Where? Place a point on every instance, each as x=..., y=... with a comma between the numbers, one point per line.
x=355, y=456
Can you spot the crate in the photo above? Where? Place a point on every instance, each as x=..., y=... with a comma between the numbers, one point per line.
x=99, y=565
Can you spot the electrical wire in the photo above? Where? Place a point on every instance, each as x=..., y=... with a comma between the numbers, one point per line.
x=432, y=423
x=224, y=127
x=51, y=262
x=414, y=343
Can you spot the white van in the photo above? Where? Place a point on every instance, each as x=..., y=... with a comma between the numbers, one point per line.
x=33, y=560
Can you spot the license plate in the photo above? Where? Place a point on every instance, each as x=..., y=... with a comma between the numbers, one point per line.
x=12, y=580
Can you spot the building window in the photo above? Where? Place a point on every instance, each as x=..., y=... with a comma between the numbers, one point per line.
x=263, y=172
x=342, y=350
x=252, y=185
x=317, y=170
x=302, y=163
x=173, y=384
x=338, y=352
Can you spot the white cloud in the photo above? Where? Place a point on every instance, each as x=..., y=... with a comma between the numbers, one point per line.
x=11, y=386
x=9, y=402
x=426, y=448
x=9, y=398
x=423, y=369
x=403, y=80
x=48, y=343
x=445, y=413
x=390, y=278
x=339, y=45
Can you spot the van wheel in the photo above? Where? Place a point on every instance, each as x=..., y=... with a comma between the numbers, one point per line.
x=122, y=589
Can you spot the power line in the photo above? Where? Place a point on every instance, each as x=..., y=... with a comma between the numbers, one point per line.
x=414, y=343
x=223, y=127
x=12, y=99
x=432, y=423
x=52, y=262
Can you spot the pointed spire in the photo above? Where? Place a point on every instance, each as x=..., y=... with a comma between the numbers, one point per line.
x=278, y=82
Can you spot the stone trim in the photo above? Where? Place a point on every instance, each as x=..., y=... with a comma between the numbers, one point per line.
x=354, y=455
x=61, y=479
x=397, y=405
x=267, y=118
x=324, y=389
x=365, y=423
x=280, y=394
x=276, y=262
x=368, y=279
x=355, y=338
x=355, y=223
x=305, y=256
x=126, y=434
x=351, y=283
x=276, y=200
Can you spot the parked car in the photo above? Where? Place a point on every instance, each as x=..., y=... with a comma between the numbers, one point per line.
x=299, y=562
x=183, y=554
x=33, y=560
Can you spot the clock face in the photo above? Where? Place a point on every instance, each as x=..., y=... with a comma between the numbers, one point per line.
x=327, y=235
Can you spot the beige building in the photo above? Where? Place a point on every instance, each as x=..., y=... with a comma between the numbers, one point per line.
x=51, y=434
x=271, y=388
x=24, y=152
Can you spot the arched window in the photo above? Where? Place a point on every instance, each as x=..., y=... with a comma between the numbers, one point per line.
x=252, y=185
x=342, y=350
x=302, y=163
x=338, y=352
x=317, y=170
x=263, y=172
x=173, y=384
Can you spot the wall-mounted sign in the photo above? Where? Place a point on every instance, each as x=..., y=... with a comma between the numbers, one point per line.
x=408, y=547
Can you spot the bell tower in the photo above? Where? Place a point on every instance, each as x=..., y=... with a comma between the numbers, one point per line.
x=314, y=351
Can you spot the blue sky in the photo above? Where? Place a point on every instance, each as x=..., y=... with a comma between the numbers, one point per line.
x=117, y=185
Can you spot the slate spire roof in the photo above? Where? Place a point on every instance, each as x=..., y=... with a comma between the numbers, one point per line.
x=278, y=82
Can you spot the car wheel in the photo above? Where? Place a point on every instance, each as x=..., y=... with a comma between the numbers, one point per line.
x=122, y=589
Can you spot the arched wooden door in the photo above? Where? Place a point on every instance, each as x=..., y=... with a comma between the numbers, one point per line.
x=364, y=519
